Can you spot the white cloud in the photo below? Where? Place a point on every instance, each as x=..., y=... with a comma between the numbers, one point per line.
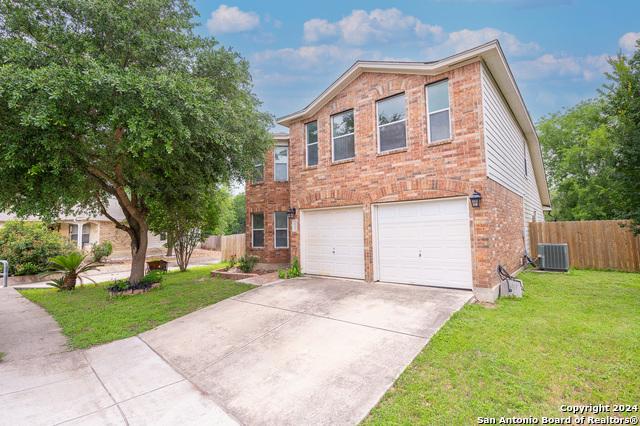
x=549, y=66
x=460, y=41
x=360, y=28
x=313, y=57
x=628, y=41
x=232, y=20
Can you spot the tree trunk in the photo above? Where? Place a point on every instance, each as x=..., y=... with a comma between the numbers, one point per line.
x=139, y=242
x=69, y=282
x=169, y=245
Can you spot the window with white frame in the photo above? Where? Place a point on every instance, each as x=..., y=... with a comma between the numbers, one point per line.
x=281, y=163
x=73, y=233
x=392, y=128
x=281, y=230
x=258, y=175
x=342, y=135
x=312, y=143
x=257, y=230
x=438, y=111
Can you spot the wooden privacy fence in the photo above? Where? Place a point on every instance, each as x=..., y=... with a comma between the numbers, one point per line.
x=214, y=242
x=593, y=244
x=232, y=244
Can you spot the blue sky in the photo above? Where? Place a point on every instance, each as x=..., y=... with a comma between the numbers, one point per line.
x=557, y=49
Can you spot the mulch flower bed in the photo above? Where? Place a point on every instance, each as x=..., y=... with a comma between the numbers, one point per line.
x=233, y=273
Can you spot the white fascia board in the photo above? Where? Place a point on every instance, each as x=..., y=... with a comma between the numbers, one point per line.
x=282, y=139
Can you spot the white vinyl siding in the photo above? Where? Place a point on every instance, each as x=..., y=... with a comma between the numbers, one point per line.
x=155, y=240
x=507, y=151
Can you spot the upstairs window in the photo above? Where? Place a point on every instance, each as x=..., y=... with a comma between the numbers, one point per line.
x=257, y=230
x=392, y=124
x=258, y=175
x=312, y=143
x=281, y=162
x=342, y=135
x=281, y=230
x=438, y=111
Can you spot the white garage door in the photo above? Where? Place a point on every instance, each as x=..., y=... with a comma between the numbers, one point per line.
x=333, y=242
x=425, y=243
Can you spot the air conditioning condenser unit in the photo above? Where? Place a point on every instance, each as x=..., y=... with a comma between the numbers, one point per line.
x=553, y=257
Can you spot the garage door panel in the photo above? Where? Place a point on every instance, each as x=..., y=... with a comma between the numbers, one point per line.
x=338, y=249
x=425, y=243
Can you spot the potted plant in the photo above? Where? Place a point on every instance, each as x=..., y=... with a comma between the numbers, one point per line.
x=158, y=265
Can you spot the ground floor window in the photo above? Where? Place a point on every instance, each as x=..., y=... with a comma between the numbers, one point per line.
x=257, y=230
x=73, y=233
x=281, y=230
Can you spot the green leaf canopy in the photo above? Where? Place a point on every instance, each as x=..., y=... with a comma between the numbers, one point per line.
x=118, y=98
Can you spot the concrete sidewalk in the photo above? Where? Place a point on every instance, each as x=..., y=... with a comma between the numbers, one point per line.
x=120, y=383
x=298, y=352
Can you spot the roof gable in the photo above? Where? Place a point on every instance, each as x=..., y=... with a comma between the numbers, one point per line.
x=492, y=57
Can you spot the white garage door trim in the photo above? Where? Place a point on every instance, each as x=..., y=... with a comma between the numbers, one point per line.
x=350, y=244
x=457, y=274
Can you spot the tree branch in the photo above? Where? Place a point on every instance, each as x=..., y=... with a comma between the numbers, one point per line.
x=111, y=218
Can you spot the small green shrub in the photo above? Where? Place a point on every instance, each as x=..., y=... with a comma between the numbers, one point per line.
x=101, y=250
x=233, y=260
x=292, y=272
x=28, y=246
x=155, y=276
x=247, y=262
x=145, y=283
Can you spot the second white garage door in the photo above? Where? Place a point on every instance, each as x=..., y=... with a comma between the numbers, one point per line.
x=333, y=242
x=426, y=242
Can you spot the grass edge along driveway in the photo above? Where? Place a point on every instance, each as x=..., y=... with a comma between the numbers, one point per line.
x=89, y=316
x=572, y=339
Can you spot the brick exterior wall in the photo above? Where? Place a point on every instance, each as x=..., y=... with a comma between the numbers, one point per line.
x=420, y=171
x=268, y=197
x=120, y=239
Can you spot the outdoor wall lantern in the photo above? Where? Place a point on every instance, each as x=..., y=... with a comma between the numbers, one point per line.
x=475, y=199
x=291, y=213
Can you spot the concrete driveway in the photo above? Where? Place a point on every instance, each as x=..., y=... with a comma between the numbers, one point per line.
x=305, y=351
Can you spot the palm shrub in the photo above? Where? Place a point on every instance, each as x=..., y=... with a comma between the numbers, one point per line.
x=71, y=267
x=28, y=246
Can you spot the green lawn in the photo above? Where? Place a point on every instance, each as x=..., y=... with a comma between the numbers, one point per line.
x=89, y=316
x=572, y=339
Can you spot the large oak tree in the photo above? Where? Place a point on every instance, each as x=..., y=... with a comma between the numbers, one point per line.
x=104, y=98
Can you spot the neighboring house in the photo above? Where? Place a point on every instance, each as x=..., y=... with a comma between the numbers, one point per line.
x=84, y=230
x=381, y=167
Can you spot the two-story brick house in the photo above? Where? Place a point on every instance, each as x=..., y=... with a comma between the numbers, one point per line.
x=381, y=169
